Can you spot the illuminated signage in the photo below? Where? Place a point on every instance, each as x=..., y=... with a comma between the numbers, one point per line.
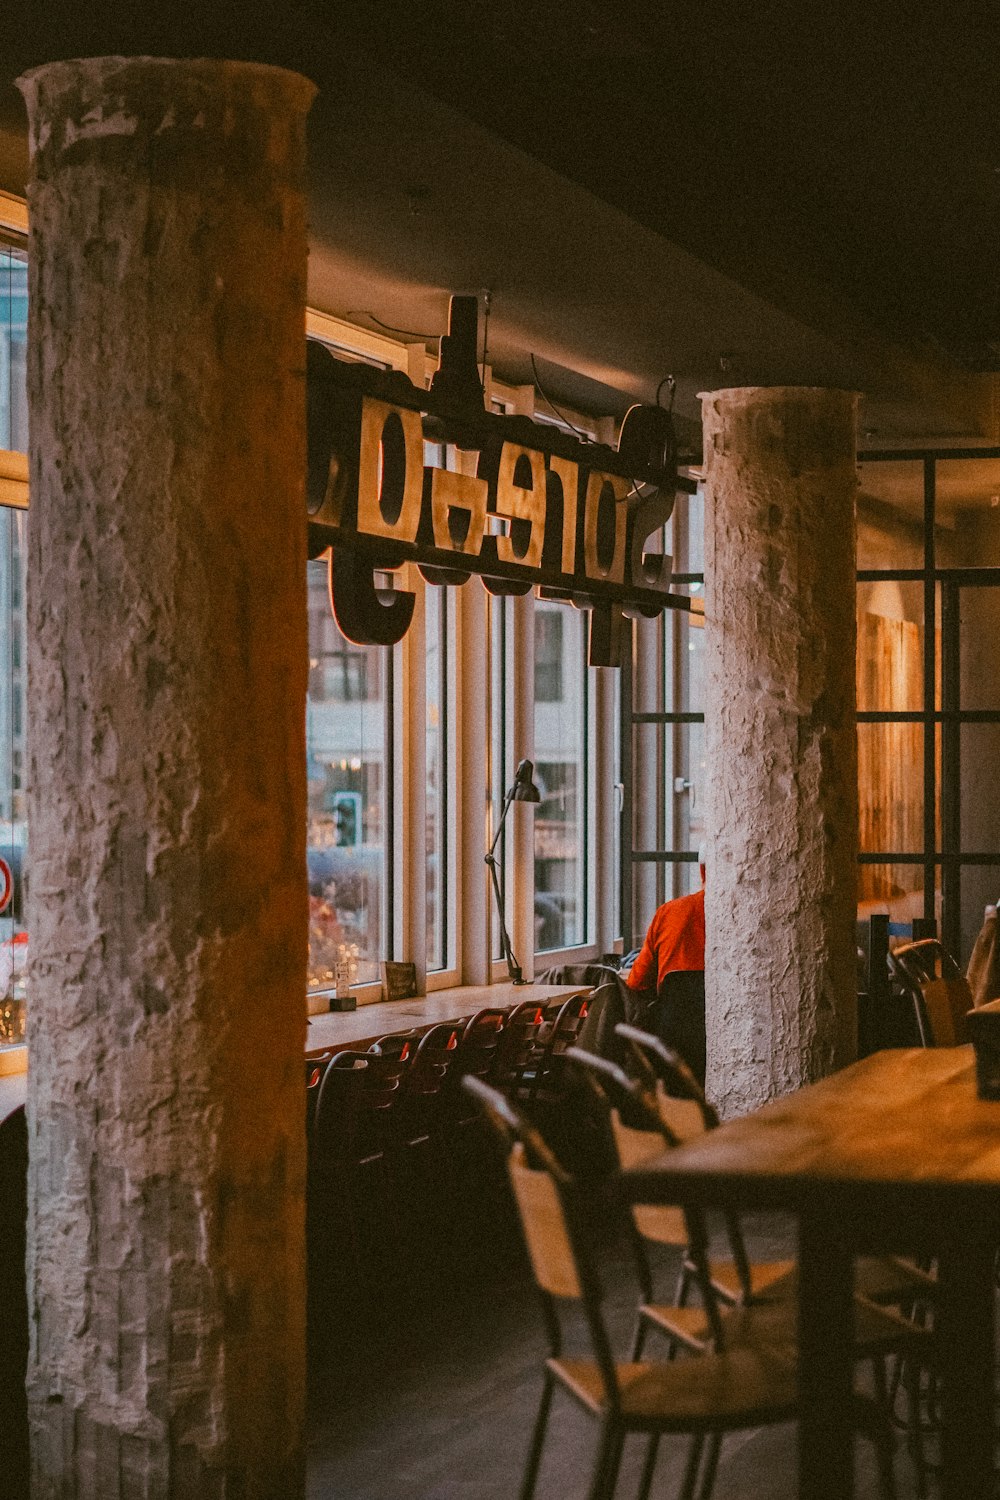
x=530, y=506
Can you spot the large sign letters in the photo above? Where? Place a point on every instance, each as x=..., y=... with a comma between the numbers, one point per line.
x=543, y=509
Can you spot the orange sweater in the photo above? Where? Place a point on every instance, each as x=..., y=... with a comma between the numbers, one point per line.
x=675, y=940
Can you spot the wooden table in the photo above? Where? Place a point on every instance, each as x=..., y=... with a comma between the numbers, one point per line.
x=338, y=1030
x=894, y=1153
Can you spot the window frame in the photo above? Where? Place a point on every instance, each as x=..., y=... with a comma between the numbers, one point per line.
x=469, y=907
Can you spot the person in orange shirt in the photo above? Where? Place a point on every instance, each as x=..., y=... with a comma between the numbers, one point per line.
x=670, y=971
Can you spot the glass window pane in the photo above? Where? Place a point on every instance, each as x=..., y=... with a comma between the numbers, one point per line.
x=891, y=514
x=13, y=348
x=501, y=768
x=968, y=495
x=13, y=766
x=979, y=617
x=980, y=886
x=561, y=759
x=436, y=637
x=891, y=646
x=891, y=788
x=979, y=748
x=348, y=775
x=897, y=890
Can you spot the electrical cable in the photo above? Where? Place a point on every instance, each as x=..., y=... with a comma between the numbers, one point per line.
x=551, y=404
x=487, y=300
x=408, y=333
x=667, y=380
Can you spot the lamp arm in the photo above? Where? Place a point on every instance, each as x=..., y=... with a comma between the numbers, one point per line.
x=513, y=967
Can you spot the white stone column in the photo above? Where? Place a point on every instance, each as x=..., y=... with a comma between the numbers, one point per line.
x=167, y=680
x=780, y=706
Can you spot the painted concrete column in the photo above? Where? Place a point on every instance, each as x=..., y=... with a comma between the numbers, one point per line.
x=781, y=805
x=167, y=670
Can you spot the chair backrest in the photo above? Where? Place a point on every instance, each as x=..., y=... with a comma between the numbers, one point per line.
x=479, y=1041
x=521, y=1048
x=554, y=1222
x=940, y=992
x=640, y=1132
x=682, y=1097
x=401, y=1044
x=357, y=1096
x=315, y=1068
x=424, y=1085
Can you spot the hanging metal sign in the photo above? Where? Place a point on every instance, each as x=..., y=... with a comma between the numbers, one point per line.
x=543, y=509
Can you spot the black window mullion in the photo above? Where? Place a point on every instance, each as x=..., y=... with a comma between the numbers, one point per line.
x=951, y=786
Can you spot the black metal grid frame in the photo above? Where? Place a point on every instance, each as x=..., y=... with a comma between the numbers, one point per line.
x=950, y=857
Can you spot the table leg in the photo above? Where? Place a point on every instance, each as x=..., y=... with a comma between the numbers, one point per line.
x=826, y=1363
x=964, y=1322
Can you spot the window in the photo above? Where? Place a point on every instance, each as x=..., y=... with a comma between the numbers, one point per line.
x=549, y=655
x=437, y=778
x=562, y=760
x=13, y=348
x=349, y=775
x=928, y=701
x=663, y=731
x=410, y=749
x=13, y=542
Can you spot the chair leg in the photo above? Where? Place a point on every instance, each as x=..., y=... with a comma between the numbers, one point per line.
x=639, y=1342
x=711, y=1465
x=649, y=1467
x=609, y=1455
x=537, y=1439
x=915, y=1430
x=687, y=1490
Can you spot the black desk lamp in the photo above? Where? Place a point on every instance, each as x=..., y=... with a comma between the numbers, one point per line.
x=522, y=790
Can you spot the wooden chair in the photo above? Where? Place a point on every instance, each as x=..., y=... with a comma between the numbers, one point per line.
x=315, y=1068
x=521, y=1050
x=478, y=1046
x=350, y=1199
x=941, y=994
x=879, y=1334
x=730, y=1389
x=884, y=1279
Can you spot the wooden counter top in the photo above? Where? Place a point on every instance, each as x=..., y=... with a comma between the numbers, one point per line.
x=340, y=1030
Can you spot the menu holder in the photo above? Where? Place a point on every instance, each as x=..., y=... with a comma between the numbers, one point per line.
x=399, y=980
x=984, y=1033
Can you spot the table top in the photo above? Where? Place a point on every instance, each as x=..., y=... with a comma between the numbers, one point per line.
x=341, y=1030
x=898, y=1128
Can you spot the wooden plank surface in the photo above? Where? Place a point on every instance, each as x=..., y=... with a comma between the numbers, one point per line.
x=901, y=1125
x=340, y=1030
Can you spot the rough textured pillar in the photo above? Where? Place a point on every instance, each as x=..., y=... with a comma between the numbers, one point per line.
x=168, y=659
x=781, y=810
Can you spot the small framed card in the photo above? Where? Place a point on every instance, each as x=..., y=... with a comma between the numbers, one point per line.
x=399, y=981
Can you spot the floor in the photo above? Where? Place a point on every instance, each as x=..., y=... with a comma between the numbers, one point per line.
x=438, y=1405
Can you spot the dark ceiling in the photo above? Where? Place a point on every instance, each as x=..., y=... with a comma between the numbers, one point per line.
x=840, y=165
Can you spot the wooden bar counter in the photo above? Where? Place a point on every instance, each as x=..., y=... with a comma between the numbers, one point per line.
x=895, y=1153
x=338, y=1030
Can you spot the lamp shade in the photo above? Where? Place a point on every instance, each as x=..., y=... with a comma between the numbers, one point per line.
x=524, y=788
